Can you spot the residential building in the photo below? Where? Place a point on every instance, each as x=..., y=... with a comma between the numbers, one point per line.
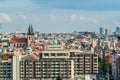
x=56, y=61
x=6, y=68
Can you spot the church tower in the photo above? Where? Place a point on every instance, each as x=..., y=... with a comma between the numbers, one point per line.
x=30, y=36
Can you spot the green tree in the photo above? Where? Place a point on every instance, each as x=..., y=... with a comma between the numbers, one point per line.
x=26, y=79
x=99, y=65
x=105, y=67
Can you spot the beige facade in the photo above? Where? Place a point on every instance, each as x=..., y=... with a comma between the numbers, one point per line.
x=16, y=69
x=44, y=69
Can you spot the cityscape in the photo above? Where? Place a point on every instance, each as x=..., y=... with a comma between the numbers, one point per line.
x=60, y=56
x=59, y=40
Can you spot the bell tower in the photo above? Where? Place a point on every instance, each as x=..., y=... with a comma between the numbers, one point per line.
x=30, y=36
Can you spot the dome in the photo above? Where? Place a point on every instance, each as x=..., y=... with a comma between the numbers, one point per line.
x=1, y=51
x=28, y=49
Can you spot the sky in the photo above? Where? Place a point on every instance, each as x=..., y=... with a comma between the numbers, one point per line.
x=49, y=16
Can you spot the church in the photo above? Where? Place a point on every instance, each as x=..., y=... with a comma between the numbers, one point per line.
x=23, y=42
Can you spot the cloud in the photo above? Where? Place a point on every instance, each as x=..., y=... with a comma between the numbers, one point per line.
x=82, y=18
x=73, y=17
x=88, y=20
x=23, y=16
x=5, y=18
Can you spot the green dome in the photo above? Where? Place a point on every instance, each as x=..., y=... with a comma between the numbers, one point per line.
x=28, y=49
x=1, y=51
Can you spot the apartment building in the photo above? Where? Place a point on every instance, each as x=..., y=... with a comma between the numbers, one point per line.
x=46, y=69
x=86, y=64
x=6, y=70
x=57, y=61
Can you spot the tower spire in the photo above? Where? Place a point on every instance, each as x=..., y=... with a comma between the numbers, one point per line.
x=30, y=30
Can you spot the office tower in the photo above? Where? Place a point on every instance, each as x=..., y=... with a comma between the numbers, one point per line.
x=117, y=29
x=100, y=30
x=106, y=31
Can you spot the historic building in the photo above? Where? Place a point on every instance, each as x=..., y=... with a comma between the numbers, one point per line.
x=23, y=41
x=30, y=37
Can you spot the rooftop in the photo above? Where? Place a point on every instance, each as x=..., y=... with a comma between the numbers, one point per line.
x=19, y=40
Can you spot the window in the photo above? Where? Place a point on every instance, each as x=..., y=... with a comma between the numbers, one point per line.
x=29, y=37
x=65, y=54
x=81, y=55
x=52, y=54
x=46, y=54
x=60, y=54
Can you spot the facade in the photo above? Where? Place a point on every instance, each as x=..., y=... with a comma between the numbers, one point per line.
x=115, y=65
x=18, y=42
x=118, y=67
x=86, y=64
x=16, y=69
x=55, y=61
x=6, y=70
x=46, y=69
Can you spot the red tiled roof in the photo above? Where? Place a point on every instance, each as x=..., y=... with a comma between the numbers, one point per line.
x=110, y=59
x=19, y=40
x=80, y=37
x=5, y=57
x=118, y=44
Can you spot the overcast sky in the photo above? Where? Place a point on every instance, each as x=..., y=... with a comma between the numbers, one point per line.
x=59, y=15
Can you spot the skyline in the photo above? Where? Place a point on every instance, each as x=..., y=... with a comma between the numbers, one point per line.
x=59, y=16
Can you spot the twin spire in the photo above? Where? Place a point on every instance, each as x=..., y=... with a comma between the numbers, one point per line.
x=30, y=30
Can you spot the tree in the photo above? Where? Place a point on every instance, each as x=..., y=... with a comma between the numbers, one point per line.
x=105, y=67
x=99, y=65
x=26, y=79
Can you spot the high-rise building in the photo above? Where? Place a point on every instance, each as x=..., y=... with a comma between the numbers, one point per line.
x=106, y=31
x=117, y=29
x=100, y=30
